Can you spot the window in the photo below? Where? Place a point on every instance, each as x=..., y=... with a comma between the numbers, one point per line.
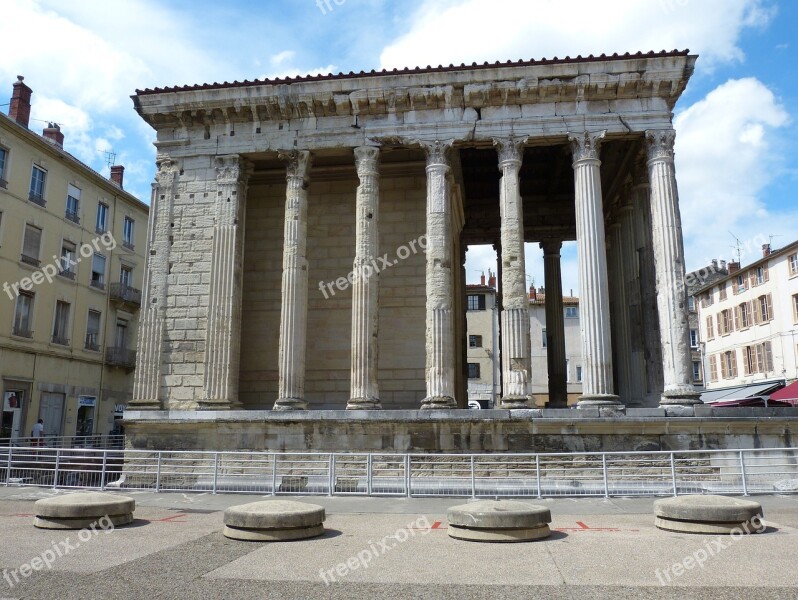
x=739, y=286
x=544, y=341
x=473, y=370
x=758, y=358
x=728, y=364
x=127, y=233
x=694, y=338
x=121, y=334
x=474, y=341
x=98, y=271
x=725, y=322
x=696, y=370
x=691, y=303
x=744, y=315
x=713, y=368
x=31, y=244
x=73, y=204
x=102, y=218
x=23, y=315
x=578, y=374
x=571, y=312
x=762, y=275
x=37, y=179
x=126, y=279
x=93, y=331
x=476, y=302
x=67, y=260
x=3, y=162
x=61, y=324
x=710, y=328
x=764, y=304
x=722, y=287
x=793, y=264
x=795, y=308
x=708, y=299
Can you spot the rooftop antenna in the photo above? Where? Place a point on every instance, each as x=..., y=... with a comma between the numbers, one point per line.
x=737, y=247
x=110, y=158
x=771, y=236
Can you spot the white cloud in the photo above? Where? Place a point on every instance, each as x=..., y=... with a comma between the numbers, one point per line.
x=726, y=155
x=465, y=31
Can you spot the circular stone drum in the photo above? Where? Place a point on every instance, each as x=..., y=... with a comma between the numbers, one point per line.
x=708, y=515
x=274, y=521
x=84, y=509
x=499, y=521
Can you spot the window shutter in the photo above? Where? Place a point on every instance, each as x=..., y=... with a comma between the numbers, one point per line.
x=737, y=318
x=33, y=237
x=734, y=363
x=713, y=368
x=770, y=306
x=757, y=312
x=767, y=273
x=751, y=278
x=768, y=356
x=724, y=366
x=746, y=360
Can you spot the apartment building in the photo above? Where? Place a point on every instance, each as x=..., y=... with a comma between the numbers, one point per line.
x=72, y=255
x=695, y=281
x=749, y=321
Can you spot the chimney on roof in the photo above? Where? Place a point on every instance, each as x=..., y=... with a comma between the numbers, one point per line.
x=118, y=175
x=765, y=250
x=723, y=265
x=533, y=293
x=53, y=133
x=19, y=109
x=714, y=264
x=491, y=280
x=733, y=267
x=482, y=279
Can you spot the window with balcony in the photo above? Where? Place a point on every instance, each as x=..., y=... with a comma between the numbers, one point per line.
x=68, y=262
x=473, y=370
x=61, y=324
x=98, y=271
x=37, y=178
x=571, y=312
x=23, y=315
x=93, y=331
x=101, y=225
x=127, y=233
x=3, y=163
x=73, y=204
x=126, y=276
x=476, y=302
x=31, y=245
x=475, y=341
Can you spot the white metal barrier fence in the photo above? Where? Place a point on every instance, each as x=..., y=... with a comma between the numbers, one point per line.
x=763, y=471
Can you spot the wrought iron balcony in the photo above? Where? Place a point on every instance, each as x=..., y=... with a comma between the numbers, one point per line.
x=37, y=199
x=95, y=283
x=61, y=341
x=29, y=260
x=72, y=216
x=123, y=293
x=67, y=274
x=91, y=342
x=120, y=357
x=3, y=183
x=21, y=331
x=128, y=245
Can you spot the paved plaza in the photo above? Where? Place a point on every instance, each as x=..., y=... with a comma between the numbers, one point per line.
x=391, y=548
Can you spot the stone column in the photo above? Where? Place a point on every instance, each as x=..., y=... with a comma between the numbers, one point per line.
x=666, y=227
x=621, y=315
x=440, y=362
x=631, y=283
x=555, y=325
x=223, y=337
x=516, y=348
x=597, y=388
x=152, y=324
x=294, y=309
x=364, y=391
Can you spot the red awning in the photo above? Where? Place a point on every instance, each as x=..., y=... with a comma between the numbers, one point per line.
x=788, y=394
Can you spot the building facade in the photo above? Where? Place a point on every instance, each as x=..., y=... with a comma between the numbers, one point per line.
x=379, y=183
x=696, y=281
x=72, y=257
x=483, y=356
x=749, y=321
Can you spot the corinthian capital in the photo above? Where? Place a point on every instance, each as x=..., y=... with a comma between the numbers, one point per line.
x=585, y=145
x=659, y=143
x=232, y=169
x=437, y=152
x=297, y=164
x=366, y=160
x=167, y=169
x=510, y=151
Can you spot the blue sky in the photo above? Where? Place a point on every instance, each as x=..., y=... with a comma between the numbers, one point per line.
x=736, y=123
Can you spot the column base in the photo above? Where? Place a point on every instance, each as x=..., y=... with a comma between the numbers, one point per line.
x=144, y=405
x=680, y=397
x=364, y=404
x=517, y=402
x=438, y=402
x=599, y=400
x=284, y=404
x=218, y=405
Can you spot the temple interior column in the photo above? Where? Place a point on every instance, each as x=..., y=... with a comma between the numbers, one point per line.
x=666, y=229
x=620, y=315
x=364, y=388
x=631, y=283
x=440, y=355
x=294, y=305
x=597, y=384
x=516, y=344
x=555, y=325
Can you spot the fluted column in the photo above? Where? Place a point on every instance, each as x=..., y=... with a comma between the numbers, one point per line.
x=516, y=348
x=666, y=227
x=147, y=376
x=621, y=315
x=223, y=341
x=597, y=388
x=364, y=391
x=631, y=283
x=555, y=325
x=440, y=360
x=294, y=310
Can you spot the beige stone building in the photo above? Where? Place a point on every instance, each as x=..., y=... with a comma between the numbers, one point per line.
x=483, y=356
x=72, y=256
x=309, y=235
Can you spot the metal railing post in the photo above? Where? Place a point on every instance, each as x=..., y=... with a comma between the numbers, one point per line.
x=57, y=467
x=8, y=467
x=331, y=467
x=158, y=474
x=369, y=473
x=215, y=471
x=742, y=473
x=606, y=482
x=537, y=474
x=473, y=479
x=274, y=473
x=408, y=491
x=105, y=465
x=673, y=475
